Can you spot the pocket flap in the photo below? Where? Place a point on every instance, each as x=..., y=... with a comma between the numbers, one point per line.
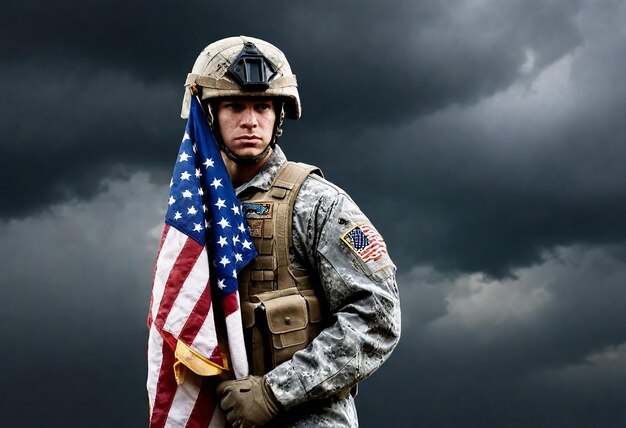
x=286, y=314
x=271, y=295
x=281, y=341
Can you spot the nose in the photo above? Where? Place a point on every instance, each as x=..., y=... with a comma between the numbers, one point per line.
x=249, y=119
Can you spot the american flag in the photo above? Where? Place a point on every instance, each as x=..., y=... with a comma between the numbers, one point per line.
x=205, y=243
x=366, y=242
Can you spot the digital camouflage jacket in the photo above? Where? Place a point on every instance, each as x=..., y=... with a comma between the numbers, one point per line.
x=336, y=243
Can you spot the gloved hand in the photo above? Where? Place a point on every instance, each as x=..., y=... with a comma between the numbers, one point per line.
x=247, y=402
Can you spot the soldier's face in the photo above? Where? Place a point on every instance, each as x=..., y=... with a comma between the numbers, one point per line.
x=246, y=124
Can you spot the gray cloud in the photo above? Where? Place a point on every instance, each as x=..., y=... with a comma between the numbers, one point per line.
x=388, y=65
x=484, y=140
x=78, y=278
x=79, y=299
x=105, y=73
x=543, y=349
x=464, y=100
x=490, y=186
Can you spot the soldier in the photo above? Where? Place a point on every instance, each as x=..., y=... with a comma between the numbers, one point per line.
x=320, y=302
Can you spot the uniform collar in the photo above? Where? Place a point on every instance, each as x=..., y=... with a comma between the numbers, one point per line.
x=266, y=176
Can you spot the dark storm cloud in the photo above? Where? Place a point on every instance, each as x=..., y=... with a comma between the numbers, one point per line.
x=390, y=64
x=101, y=89
x=491, y=186
x=75, y=128
x=542, y=350
x=101, y=85
x=475, y=352
x=485, y=139
x=74, y=318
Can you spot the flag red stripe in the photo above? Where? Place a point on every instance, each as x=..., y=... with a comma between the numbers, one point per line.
x=374, y=250
x=374, y=245
x=230, y=304
x=166, y=389
x=180, y=271
x=197, y=316
x=168, y=338
x=373, y=256
x=204, y=408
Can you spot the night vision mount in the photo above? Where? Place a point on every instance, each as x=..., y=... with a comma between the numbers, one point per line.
x=251, y=69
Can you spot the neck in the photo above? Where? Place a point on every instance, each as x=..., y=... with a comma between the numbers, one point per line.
x=240, y=174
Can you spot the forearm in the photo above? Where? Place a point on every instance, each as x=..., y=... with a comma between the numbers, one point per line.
x=363, y=335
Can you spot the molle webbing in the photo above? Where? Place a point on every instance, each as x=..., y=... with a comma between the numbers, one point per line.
x=272, y=234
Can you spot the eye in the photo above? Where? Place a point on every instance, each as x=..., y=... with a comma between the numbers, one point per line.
x=233, y=105
x=263, y=106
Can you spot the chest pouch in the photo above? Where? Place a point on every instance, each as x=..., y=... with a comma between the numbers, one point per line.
x=278, y=324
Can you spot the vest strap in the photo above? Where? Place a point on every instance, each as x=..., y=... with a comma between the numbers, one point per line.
x=287, y=185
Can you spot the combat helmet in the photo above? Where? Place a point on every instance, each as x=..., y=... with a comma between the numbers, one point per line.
x=243, y=66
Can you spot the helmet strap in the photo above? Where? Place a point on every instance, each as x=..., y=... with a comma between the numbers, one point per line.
x=244, y=160
x=278, y=124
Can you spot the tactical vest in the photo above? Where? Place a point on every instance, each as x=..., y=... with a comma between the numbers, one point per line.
x=280, y=307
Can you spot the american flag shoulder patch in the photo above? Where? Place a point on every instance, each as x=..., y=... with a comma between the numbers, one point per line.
x=365, y=241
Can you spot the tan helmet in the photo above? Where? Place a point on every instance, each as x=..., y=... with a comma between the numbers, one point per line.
x=243, y=66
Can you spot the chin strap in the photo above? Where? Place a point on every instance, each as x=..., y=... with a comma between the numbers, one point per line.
x=244, y=160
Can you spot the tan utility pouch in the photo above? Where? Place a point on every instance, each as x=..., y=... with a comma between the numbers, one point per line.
x=287, y=321
x=282, y=322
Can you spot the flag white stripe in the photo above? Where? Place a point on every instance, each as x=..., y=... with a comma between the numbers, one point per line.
x=172, y=246
x=184, y=401
x=188, y=296
x=206, y=339
x=236, y=344
x=155, y=358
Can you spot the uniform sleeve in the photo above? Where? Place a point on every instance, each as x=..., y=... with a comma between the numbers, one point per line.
x=357, y=277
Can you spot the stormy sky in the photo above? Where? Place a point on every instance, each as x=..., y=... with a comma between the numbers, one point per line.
x=483, y=138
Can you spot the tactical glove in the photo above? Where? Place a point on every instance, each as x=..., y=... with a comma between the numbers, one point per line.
x=247, y=402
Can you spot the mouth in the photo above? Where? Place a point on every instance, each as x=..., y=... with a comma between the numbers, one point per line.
x=248, y=138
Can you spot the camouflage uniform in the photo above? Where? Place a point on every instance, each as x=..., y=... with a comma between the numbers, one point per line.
x=362, y=298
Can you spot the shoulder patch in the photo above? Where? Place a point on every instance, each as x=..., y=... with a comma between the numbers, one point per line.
x=366, y=242
x=257, y=209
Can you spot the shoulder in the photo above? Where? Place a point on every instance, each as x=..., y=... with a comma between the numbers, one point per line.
x=317, y=187
x=319, y=198
x=345, y=237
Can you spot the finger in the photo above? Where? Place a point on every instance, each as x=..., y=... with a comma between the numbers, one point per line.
x=231, y=417
x=229, y=401
x=222, y=387
x=226, y=404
